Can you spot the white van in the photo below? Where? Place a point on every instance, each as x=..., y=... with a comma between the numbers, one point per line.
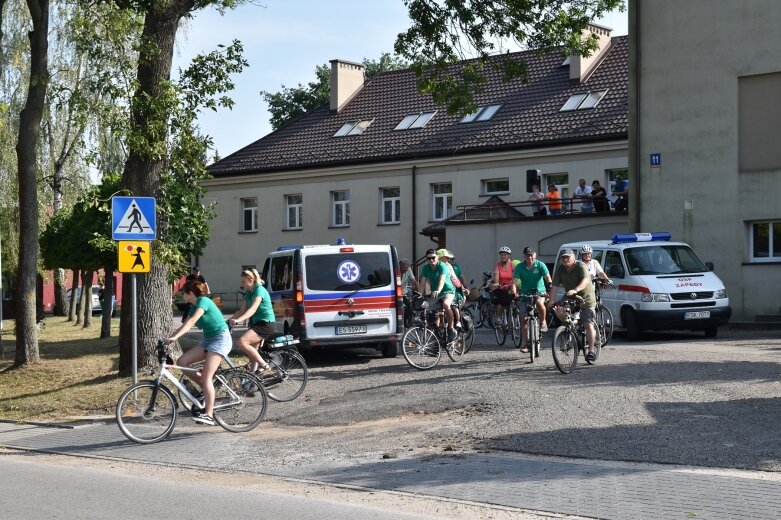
x=337, y=295
x=658, y=284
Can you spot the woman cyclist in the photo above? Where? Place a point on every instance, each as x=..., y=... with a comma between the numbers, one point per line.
x=257, y=308
x=503, y=289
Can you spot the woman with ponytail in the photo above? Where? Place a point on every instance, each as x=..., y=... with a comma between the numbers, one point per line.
x=257, y=308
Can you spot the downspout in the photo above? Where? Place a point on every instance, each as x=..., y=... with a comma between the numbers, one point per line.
x=414, y=215
x=635, y=161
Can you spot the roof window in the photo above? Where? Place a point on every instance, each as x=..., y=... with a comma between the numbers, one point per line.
x=418, y=120
x=353, y=128
x=583, y=100
x=483, y=113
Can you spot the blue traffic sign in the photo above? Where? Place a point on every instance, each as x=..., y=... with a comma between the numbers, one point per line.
x=133, y=218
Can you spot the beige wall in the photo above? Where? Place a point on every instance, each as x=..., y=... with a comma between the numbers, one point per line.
x=691, y=57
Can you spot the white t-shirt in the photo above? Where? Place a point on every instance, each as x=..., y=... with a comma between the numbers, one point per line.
x=593, y=268
x=587, y=202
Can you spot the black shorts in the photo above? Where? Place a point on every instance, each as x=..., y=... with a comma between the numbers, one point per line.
x=501, y=297
x=263, y=329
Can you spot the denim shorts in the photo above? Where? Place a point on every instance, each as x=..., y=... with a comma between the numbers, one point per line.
x=221, y=344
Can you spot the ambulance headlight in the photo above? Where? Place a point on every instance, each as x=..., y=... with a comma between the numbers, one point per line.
x=655, y=297
x=721, y=293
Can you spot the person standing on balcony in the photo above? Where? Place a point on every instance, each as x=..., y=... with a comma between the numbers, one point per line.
x=554, y=200
x=536, y=197
x=583, y=193
x=599, y=196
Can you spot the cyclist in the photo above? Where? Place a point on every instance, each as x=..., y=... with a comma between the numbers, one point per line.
x=456, y=278
x=503, y=289
x=594, y=268
x=532, y=275
x=437, y=274
x=573, y=276
x=216, y=344
x=257, y=308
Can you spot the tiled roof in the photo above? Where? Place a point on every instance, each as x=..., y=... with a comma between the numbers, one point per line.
x=529, y=117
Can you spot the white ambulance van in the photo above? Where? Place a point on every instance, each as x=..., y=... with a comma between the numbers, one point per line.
x=337, y=295
x=658, y=284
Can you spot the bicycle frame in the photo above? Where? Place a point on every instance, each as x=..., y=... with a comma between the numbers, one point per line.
x=164, y=372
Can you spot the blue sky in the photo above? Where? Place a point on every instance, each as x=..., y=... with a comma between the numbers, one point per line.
x=283, y=41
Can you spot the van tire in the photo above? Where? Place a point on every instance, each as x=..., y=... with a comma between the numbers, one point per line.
x=632, y=327
x=389, y=349
x=711, y=332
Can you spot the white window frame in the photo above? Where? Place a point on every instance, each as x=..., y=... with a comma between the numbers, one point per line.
x=395, y=205
x=298, y=208
x=445, y=197
x=483, y=113
x=340, y=207
x=251, y=211
x=486, y=191
x=413, y=121
x=750, y=230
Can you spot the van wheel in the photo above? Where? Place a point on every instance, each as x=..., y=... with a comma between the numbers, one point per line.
x=632, y=327
x=711, y=332
x=389, y=349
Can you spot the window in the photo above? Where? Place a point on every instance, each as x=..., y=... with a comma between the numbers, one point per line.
x=758, y=130
x=442, y=200
x=354, y=128
x=294, y=205
x=418, y=120
x=281, y=273
x=390, y=205
x=249, y=214
x=613, y=266
x=765, y=241
x=496, y=186
x=583, y=100
x=340, y=216
x=483, y=113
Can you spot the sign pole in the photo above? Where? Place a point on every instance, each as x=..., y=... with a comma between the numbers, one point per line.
x=133, y=330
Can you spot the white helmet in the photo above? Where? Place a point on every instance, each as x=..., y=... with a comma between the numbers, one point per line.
x=505, y=249
x=585, y=249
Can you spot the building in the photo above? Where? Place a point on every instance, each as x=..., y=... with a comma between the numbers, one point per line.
x=705, y=137
x=381, y=162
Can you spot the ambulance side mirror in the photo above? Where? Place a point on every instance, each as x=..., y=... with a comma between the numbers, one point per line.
x=709, y=265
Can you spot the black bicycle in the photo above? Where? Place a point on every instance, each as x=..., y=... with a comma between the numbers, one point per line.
x=604, y=318
x=570, y=337
x=423, y=343
x=533, y=324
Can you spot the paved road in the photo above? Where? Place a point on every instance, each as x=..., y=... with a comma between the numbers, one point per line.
x=670, y=427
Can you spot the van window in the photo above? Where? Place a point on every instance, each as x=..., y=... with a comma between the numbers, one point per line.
x=340, y=272
x=613, y=258
x=281, y=273
x=663, y=259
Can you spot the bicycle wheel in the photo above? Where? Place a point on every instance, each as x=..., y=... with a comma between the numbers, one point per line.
x=420, y=347
x=605, y=320
x=290, y=380
x=537, y=341
x=455, y=349
x=533, y=337
x=240, y=400
x=500, y=328
x=515, y=327
x=468, y=326
x=142, y=419
x=489, y=315
x=478, y=315
x=565, y=350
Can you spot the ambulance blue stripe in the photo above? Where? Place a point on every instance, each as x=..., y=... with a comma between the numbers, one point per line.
x=356, y=296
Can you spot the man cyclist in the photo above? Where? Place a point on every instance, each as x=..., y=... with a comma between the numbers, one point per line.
x=437, y=274
x=532, y=275
x=503, y=289
x=573, y=276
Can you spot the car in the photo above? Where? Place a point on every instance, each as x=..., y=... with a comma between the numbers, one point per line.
x=96, y=303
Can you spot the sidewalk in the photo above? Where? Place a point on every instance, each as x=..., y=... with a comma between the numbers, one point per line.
x=598, y=489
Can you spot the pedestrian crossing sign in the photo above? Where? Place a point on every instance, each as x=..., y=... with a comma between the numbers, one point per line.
x=133, y=218
x=134, y=256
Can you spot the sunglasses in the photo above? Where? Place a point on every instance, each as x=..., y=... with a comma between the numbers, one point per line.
x=431, y=258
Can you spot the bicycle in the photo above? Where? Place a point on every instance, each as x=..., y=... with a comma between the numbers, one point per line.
x=509, y=321
x=422, y=344
x=484, y=316
x=533, y=325
x=570, y=336
x=604, y=318
x=146, y=412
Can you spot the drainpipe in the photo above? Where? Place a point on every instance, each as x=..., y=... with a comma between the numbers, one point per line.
x=635, y=156
x=414, y=215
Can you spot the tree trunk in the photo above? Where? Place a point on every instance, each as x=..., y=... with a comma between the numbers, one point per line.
x=72, y=300
x=26, y=146
x=86, y=297
x=80, y=299
x=141, y=177
x=60, y=299
x=108, y=293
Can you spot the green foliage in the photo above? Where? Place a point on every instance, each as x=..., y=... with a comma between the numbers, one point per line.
x=289, y=104
x=445, y=32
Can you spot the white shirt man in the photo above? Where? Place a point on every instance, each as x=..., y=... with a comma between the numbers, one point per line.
x=583, y=192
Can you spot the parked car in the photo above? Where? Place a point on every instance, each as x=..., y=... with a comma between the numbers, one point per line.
x=96, y=303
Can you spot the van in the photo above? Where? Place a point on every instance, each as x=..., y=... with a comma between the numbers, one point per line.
x=658, y=284
x=337, y=295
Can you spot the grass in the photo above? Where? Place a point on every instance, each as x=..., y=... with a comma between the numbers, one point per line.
x=76, y=377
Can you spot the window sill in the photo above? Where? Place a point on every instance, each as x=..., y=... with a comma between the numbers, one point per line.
x=292, y=229
x=389, y=224
x=249, y=232
x=769, y=262
x=339, y=227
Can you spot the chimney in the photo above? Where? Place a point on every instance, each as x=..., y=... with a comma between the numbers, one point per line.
x=580, y=67
x=346, y=81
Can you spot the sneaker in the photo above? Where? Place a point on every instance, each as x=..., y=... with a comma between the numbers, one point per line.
x=268, y=372
x=451, y=335
x=204, y=419
x=590, y=356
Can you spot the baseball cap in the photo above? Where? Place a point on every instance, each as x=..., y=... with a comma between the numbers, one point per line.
x=195, y=268
x=568, y=252
x=445, y=252
x=618, y=178
x=528, y=250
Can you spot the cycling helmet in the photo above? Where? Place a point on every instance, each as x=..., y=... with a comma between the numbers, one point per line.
x=505, y=249
x=585, y=249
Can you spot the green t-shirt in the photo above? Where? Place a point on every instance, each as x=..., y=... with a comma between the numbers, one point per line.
x=265, y=311
x=570, y=280
x=531, y=277
x=433, y=275
x=212, y=322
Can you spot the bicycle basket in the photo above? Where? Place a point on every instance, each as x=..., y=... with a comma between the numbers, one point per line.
x=473, y=295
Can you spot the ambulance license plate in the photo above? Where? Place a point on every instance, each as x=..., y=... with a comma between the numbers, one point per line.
x=696, y=315
x=350, y=329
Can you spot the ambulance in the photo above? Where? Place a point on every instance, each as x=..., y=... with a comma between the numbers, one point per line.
x=339, y=295
x=658, y=284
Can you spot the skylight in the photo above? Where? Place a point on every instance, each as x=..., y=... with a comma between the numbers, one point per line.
x=583, y=100
x=418, y=120
x=483, y=113
x=353, y=128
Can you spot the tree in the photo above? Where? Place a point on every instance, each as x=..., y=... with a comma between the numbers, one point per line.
x=289, y=104
x=445, y=32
